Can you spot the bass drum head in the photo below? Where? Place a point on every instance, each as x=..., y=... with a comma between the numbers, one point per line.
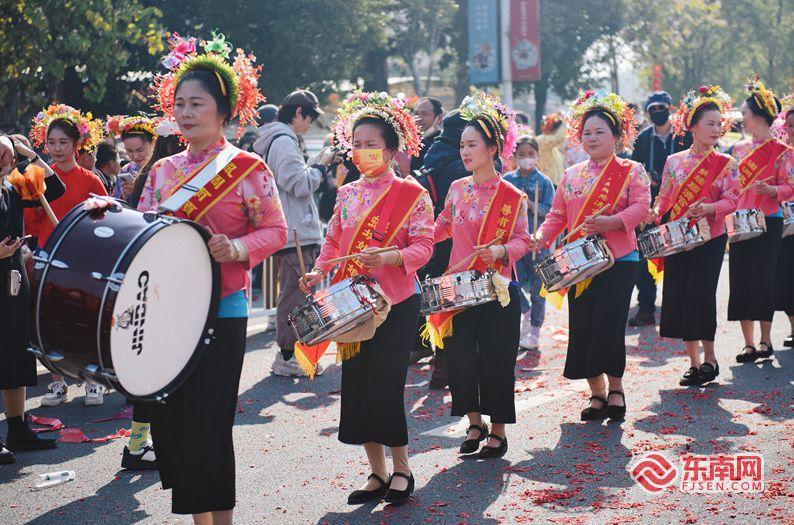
x=161, y=310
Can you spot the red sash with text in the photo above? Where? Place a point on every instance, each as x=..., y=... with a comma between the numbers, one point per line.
x=499, y=223
x=380, y=225
x=225, y=181
x=759, y=165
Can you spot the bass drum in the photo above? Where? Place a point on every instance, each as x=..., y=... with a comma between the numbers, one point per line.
x=125, y=299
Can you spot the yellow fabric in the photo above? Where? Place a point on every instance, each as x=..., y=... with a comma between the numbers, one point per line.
x=345, y=351
x=307, y=366
x=582, y=286
x=655, y=273
x=435, y=336
x=556, y=298
x=501, y=284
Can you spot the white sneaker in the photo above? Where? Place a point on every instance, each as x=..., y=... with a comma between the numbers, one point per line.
x=528, y=341
x=93, y=394
x=291, y=368
x=57, y=394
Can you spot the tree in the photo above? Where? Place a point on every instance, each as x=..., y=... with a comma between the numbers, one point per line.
x=298, y=43
x=567, y=30
x=69, y=51
x=420, y=27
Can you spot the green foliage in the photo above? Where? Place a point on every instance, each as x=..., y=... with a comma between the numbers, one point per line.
x=69, y=50
x=711, y=42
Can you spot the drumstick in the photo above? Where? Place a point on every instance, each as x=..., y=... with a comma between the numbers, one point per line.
x=298, y=248
x=48, y=210
x=535, y=212
x=467, y=258
x=353, y=256
x=596, y=214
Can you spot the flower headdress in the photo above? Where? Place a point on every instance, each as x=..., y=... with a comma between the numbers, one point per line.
x=613, y=104
x=358, y=105
x=90, y=129
x=484, y=106
x=118, y=125
x=765, y=98
x=779, y=125
x=550, y=121
x=694, y=100
x=238, y=80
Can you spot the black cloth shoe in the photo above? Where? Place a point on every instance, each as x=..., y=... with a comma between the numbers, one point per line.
x=470, y=446
x=487, y=452
x=746, y=357
x=6, y=456
x=357, y=497
x=766, y=353
x=21, y=438
x=417, y=354
x=691, y=377
x=616, y=411
x=595, y=414
x=709, y=372
x=789, y=341
x=642, y=319
x=144, y=460
x=398, y=497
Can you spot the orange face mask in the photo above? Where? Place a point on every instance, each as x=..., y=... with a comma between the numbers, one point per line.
x=370, y=162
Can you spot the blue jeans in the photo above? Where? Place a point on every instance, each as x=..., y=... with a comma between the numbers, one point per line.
x=531, y=283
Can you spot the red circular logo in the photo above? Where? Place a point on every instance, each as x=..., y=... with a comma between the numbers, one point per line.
x=654, y=472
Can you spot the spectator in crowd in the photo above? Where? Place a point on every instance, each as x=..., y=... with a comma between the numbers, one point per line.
x=550, y=142
x=107, y=165
x=428, y=112
x=267, y=114
x=443, y=166
x=530, y=180
x=297, y=181
x=652, y=147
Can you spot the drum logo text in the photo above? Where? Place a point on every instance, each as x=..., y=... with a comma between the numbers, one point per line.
x=139, y=317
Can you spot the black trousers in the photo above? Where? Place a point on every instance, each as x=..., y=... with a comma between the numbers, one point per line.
x=689, y=295
x=646, y=285
x=193, y=428
x=784, y=284
x=373, y=382
x=480, y=357
x=752, y=270
x=597, y=319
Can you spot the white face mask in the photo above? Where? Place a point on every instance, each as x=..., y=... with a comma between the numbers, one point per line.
x=527, y=164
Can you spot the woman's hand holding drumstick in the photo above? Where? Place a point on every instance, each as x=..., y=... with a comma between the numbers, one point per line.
x=483, y=251
x=597, y=223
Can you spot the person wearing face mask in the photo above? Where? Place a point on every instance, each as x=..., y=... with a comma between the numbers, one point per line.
x=619, y=190
x=486, y=218
x=297, y=182
x=537, y=187
x=702, y=184
x=652, y=147
x=378, y=210
x=137, y=134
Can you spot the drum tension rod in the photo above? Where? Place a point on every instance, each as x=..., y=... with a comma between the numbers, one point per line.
x=52, y=356
x=116, y=278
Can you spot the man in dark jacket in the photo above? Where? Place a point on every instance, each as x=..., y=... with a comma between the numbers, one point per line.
x=428, y=112
x=443, y=166
x=652, y=147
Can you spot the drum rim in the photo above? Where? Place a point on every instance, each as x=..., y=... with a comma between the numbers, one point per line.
x=68, y=222
x=212, y=315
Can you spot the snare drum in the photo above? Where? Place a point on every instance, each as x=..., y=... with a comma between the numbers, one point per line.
x=745, y=224
x=125, y=299
x=456, y=291
x=336, y=310
x=788, y=218
x=575, y=262
x=669, y=238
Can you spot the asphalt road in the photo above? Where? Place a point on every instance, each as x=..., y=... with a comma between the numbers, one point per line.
x=291, y=468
